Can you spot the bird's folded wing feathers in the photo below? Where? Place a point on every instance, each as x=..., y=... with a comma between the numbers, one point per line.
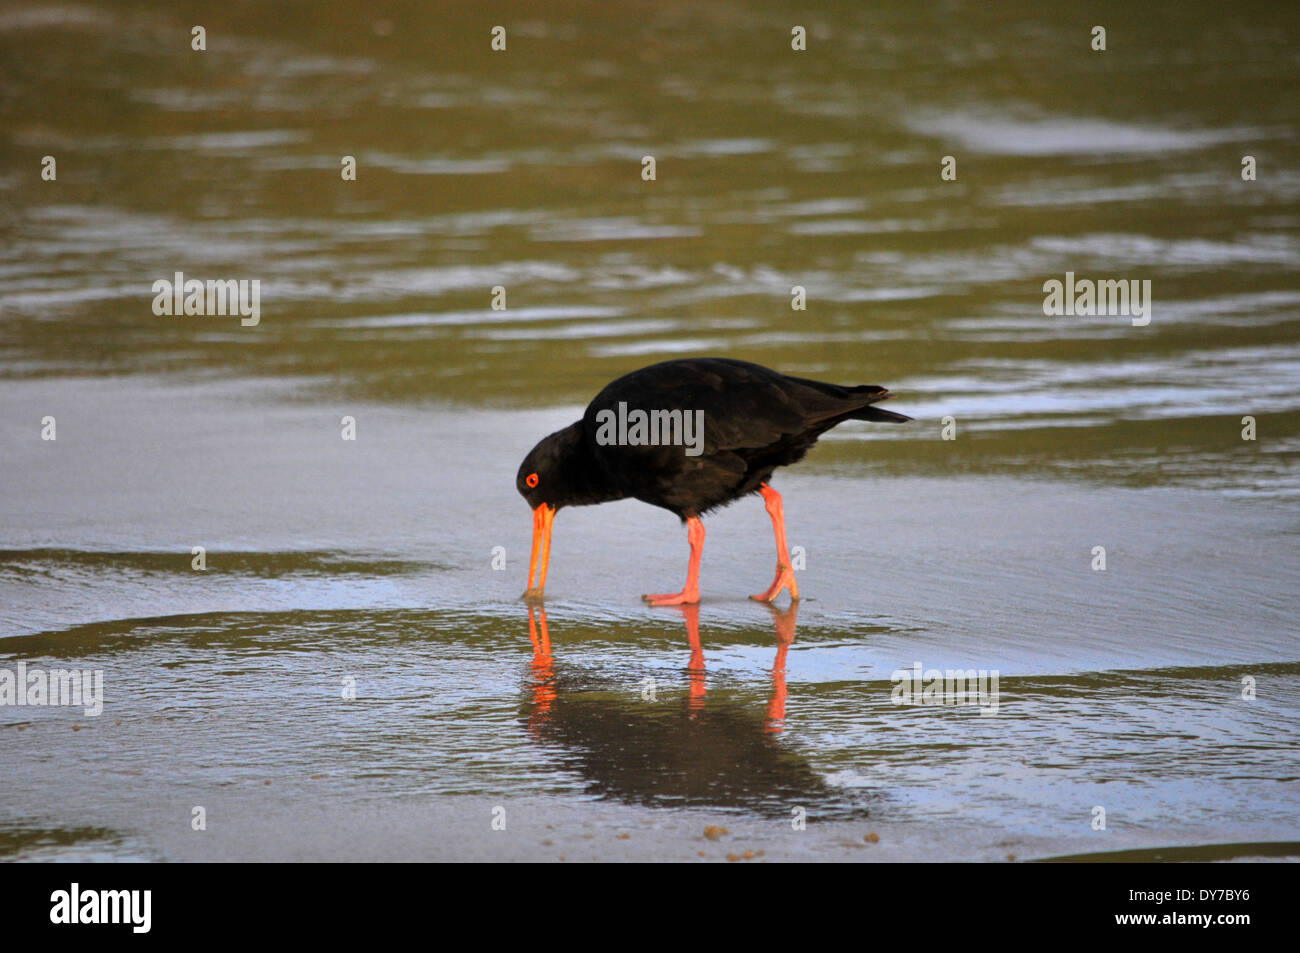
x=741, y=408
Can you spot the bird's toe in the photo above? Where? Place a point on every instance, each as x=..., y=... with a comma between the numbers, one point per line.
x=784, y=580
x=671, y=598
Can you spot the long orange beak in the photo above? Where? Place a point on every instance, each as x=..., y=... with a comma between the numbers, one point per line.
x=543, y=517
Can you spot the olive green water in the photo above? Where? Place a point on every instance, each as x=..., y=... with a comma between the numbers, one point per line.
x=380, y=559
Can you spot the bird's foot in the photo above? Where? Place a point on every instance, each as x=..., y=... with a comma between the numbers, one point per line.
x=684, y=598
x=784, y=579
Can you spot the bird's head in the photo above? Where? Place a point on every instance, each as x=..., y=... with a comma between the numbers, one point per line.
x=545, y=483
x=542, y=477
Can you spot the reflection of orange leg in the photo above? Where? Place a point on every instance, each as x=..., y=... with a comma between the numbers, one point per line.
x=695, y=668
x=785, y=623
x=691, y=592
x=784, y=574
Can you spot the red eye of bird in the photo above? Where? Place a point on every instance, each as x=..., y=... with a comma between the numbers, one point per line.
x=531, y=479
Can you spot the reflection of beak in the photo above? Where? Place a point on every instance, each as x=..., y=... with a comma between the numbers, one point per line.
x=543, y=516
x=544, y=693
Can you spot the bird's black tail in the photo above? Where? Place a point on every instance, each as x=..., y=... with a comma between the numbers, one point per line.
x=877, y=414
x=866, y=394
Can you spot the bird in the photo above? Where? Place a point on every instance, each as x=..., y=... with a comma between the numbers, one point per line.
x=688, y=435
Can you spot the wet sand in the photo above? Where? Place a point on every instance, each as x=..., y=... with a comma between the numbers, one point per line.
x=326, y=560
x=264, y=828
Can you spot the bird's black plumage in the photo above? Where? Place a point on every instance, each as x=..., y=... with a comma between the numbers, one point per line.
x=744, y=421
x=755, y=420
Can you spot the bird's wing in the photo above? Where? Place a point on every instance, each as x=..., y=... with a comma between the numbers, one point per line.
x=738, y=407
x=749, y=415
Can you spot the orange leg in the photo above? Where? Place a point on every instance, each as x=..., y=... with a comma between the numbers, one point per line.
x=784, y=574
x=691, y=592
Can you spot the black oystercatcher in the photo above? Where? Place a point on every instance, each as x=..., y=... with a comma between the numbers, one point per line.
x=688, y=435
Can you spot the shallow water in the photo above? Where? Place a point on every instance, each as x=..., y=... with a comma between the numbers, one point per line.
x=374, y=559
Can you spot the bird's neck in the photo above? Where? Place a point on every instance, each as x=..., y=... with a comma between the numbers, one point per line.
x=585, y=478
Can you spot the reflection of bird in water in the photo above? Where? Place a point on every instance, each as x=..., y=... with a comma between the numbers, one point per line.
x=706, y=749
